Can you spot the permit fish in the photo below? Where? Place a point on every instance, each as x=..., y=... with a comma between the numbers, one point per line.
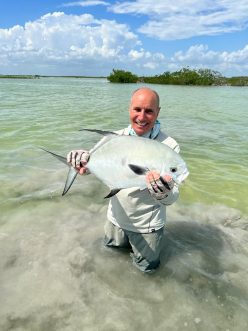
x=121, y=162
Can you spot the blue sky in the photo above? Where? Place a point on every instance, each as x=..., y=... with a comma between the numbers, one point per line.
x=147, y=37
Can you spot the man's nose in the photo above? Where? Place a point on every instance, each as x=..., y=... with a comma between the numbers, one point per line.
x=142, y=114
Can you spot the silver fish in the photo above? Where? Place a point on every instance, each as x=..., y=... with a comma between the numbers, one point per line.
x=122, y=162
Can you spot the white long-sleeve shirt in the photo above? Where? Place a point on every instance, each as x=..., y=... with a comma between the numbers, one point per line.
x=136, y=210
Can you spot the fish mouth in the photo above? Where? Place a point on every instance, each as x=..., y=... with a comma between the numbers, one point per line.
x=178, y=179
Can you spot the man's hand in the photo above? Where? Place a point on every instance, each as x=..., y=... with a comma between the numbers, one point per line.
x=78, y=159
x=158, y=186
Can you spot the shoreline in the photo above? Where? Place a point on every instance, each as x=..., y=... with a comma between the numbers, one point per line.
x=44, y=76
x=241, y=81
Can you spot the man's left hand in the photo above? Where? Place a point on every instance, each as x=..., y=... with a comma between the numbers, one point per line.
x=159, y=186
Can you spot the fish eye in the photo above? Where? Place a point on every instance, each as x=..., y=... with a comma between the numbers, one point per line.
x=174, y=169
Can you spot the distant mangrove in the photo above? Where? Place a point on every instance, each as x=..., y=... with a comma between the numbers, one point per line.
x=122, y=76
x=185, y=76
x=20, y=76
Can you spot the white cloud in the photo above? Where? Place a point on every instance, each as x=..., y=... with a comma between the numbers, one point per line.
x=145, y=59
x=142, y=54
x=72, y=44
x=59, y=38
x=136, y=55
x=151, y=65
x=82, y=45
x=182, y=19
x=200, y=56
x=86, y=3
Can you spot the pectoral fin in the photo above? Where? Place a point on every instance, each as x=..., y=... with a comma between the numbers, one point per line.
x=138, y=170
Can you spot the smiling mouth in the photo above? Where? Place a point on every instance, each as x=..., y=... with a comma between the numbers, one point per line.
x=141, y=124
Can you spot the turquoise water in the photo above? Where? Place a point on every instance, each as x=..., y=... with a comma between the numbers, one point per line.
x=55, y=274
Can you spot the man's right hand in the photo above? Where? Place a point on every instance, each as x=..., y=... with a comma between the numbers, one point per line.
x=78, y=159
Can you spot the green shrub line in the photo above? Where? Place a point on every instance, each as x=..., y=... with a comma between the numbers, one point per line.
x=122, y=76
x=185, y=76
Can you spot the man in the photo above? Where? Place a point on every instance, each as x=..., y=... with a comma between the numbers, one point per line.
x=136, y=218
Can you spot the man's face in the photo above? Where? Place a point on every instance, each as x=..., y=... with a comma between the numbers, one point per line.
x=143, y=111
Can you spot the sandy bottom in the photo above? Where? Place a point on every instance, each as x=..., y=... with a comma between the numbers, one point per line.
x=55, y=273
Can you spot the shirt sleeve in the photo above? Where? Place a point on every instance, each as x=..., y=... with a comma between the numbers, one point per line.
x=172, y=143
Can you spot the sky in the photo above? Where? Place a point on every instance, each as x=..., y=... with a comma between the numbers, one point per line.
x=146, y=37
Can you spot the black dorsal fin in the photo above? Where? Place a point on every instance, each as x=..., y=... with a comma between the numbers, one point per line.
x=102, y=132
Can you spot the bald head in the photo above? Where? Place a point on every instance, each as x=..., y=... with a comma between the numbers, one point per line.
x=144, y=109
x=149, y=93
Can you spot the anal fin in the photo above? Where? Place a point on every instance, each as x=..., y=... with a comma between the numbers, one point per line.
x=112, y=193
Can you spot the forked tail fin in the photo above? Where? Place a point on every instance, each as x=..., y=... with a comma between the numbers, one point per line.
x=59, y=157
x=72, y=174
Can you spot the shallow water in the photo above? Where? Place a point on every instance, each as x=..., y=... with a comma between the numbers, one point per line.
x=55, y=273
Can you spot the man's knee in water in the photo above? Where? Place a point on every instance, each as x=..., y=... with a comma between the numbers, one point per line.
x=144, y=265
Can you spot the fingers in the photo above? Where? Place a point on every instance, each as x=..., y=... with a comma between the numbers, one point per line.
x=153, y=183
x=78, y=159
x=152, y=176
x=157, y=185
x=82, y=170
x=72, y=158
x=168, y=181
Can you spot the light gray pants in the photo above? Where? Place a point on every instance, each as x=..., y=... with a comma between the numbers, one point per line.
x=146, y=246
